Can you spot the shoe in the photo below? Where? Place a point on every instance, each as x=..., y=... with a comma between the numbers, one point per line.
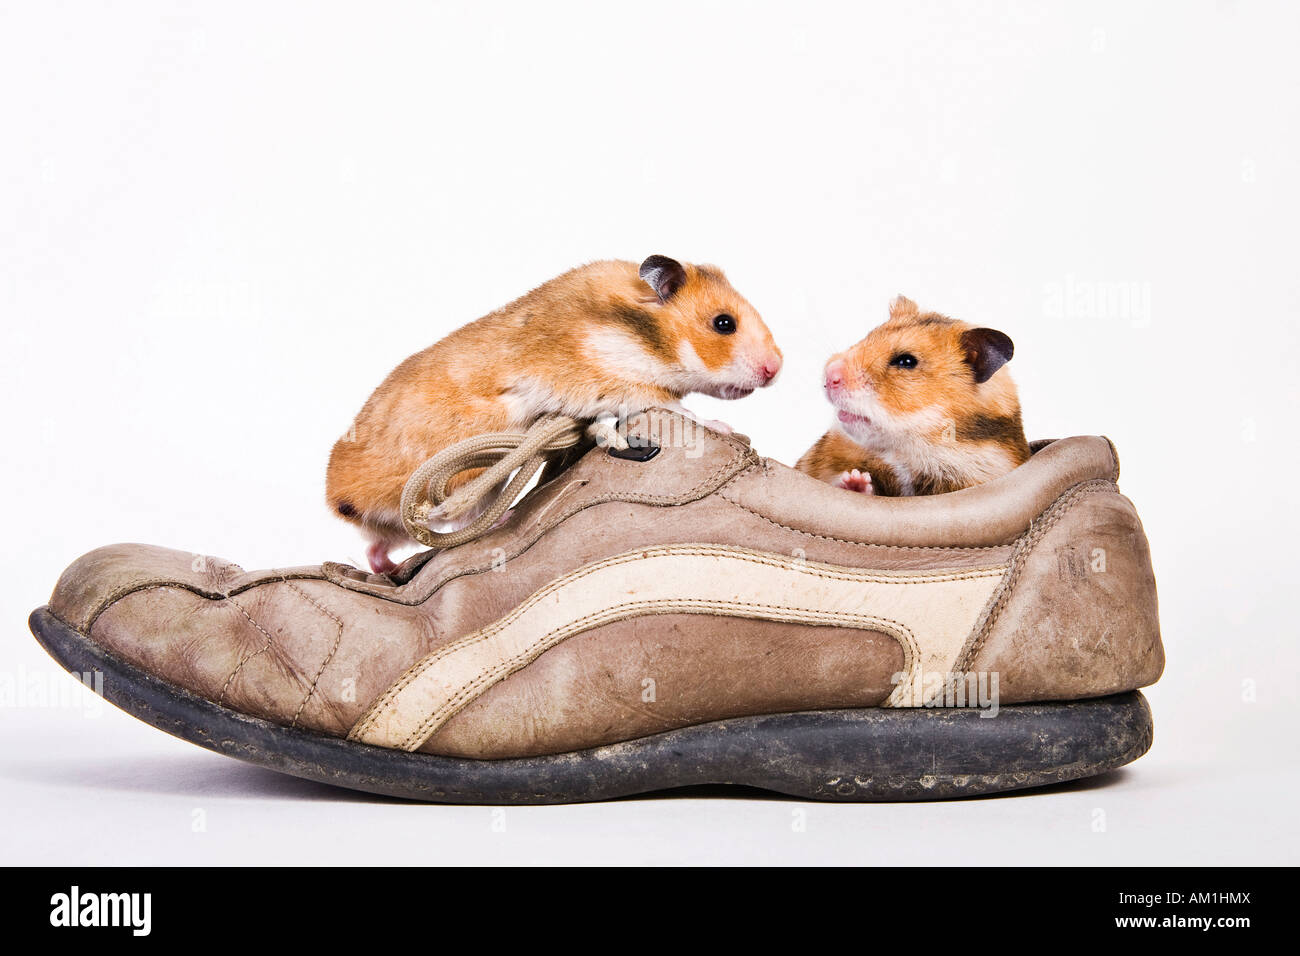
x=675, y=613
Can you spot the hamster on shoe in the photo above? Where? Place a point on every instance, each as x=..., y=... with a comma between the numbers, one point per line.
x=923, y=406
x=606, y=338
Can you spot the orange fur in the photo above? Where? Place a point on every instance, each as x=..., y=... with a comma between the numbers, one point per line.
x=928, y=429
x=597, y=340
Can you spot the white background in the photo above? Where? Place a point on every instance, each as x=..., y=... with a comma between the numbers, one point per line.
x=222, y=224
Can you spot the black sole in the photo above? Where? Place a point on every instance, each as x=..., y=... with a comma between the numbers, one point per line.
x=848, y=755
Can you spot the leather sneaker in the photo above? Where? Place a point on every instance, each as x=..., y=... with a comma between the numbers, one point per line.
x=681, y=612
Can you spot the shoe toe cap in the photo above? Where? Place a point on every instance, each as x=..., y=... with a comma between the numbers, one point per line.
x=95, y=580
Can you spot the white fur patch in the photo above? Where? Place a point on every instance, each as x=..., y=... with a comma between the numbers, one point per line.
x=690, y=359
x=923, y=442
x=623, y=352
x=528, y=398
x=689, y=374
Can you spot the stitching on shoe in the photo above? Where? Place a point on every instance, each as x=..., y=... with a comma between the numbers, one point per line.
x=694, y=494
x=287, y=663
x=372, y=713
x=468, y=692
x=338, y=639
x=1020, y=557
x=892, y=547
x=269, y=577
x=270, y=642
x=240, y=666
x=739, y=453
x=704, y=551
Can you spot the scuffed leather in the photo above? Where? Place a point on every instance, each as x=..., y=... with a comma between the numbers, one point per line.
x=994, y=513
x=1079, y=617
x=313, y=647
x=643, y=676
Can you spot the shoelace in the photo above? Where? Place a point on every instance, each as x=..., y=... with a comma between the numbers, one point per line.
x=425, y=498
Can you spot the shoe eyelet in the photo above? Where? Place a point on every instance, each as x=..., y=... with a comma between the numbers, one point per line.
x=635, y=452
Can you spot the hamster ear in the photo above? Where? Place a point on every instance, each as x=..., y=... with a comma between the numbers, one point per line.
x=903, y=308
x=664, y=275
x=987, y=350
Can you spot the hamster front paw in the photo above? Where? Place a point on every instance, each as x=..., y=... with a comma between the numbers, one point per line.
x=859, y=481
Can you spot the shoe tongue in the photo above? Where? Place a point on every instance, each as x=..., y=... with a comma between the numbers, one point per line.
x=669, y=458
x=408, y=568
x=670, y=429
x=692, y=462
x=687, y=460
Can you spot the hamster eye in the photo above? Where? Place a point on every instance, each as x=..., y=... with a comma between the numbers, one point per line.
x=903, y=360
x=724, y=324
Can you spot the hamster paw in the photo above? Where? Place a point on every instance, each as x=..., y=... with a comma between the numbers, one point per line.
x=859, y=481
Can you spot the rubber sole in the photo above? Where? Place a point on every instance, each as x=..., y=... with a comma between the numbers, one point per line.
x=866, y=754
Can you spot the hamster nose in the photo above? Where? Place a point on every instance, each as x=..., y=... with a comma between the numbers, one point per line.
x=835, y=375
x=770, y=367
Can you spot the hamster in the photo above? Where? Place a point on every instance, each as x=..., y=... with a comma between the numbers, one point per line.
x=605, y=338
x=923, y=406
